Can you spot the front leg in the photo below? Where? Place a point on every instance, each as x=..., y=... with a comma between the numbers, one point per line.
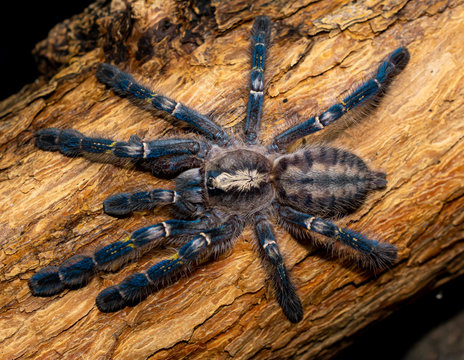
x=72, y=143
x=260, y=43
x=125, y=85
x=367, y=92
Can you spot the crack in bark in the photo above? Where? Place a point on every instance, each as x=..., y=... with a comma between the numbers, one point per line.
x=199, y=325
x=298, y=9
x=321, y=73
x=44, y=341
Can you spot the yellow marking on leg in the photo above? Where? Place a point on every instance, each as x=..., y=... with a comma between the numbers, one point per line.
x=175, y=257
x=340, y=230
x=150, y=98
x=111, y=146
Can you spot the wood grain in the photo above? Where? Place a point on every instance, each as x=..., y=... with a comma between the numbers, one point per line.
x=198, y=53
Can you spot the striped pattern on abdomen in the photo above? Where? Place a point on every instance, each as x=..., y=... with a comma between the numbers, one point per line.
x=324, y=181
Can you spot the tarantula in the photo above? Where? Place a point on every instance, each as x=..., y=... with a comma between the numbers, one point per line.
x=223, y=184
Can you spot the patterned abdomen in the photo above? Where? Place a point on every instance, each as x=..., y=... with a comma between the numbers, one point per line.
x=324, y=181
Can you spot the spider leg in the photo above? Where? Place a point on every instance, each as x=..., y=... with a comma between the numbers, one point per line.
x=136, y=287
x=72, y=143
x=374, y=254
x=125, y=85
x=124, y=203
x=284, y=288
x=368, y=91
x=187, y=201
x=77, y=271
x=171, y=165
x=259, y=42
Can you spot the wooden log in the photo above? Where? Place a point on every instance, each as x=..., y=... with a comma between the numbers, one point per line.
x=198, y=53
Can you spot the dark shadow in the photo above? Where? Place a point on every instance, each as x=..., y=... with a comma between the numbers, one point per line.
x=22, y=26
x=394, y=337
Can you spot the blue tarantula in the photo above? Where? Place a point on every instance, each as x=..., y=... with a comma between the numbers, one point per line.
x=223, y=184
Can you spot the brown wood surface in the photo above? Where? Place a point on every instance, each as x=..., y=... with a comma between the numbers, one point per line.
x=198, y=53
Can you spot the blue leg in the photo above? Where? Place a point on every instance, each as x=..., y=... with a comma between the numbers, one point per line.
x=373, y=254
x=137, y=287
x=187, y=201
x=365, y=93
x=259, y=42
x=77, y=271
x=124, y=203
x=285, y=291
x=168, y=167
x=72, y=143
x=125, y=85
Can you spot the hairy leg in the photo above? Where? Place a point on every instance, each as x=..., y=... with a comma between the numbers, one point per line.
x=368, y=91
x=77, y=271
x=125, y=85
x=72, y=143
x=259, y=42
x=372, y=253
x=283, y=286
x=136, y=287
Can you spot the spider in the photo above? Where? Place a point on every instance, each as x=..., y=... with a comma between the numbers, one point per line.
x=223, y=184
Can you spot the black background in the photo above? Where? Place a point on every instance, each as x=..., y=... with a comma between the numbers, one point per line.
x=22, y=25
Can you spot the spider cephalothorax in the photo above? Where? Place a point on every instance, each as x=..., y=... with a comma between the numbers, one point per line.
x=223, y=184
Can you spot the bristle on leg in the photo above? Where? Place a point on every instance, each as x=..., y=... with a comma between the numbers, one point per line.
x=372, y=254
x=124, y=203
x=46, y=282
x=137, y=287
x=285, y=290
x=110, y=300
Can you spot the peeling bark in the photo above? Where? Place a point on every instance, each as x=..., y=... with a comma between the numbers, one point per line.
x=198, y=53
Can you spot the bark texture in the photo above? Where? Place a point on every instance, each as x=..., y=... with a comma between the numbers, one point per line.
x=198, y=52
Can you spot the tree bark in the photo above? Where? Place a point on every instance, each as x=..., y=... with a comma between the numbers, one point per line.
x=198, y=53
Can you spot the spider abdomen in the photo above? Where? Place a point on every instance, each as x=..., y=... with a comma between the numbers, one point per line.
x=324, y=181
